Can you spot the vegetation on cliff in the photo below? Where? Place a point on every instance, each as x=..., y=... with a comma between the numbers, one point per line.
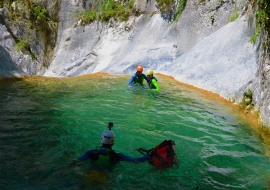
x=122, y=10
x=32, y=20
x=108, y=9
x=180, y=8
x=247, y=101
x=262, y=20
x=27, y=12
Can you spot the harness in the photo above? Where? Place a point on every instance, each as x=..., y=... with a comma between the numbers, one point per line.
x=139, y=80
x=104, y=159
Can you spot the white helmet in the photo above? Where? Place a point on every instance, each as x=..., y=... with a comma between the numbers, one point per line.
x=107, y=137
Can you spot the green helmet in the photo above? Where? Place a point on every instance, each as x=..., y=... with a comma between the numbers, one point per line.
x=149, y=72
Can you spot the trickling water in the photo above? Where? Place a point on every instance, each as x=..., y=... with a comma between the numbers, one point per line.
x=46, y=123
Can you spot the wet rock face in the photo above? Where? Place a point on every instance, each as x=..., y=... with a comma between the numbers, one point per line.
x=81, y=42
x=260, y=84
x=22, y=58
x=41, y=39
x=83, y=49
x=222, y=65
x=8, y=68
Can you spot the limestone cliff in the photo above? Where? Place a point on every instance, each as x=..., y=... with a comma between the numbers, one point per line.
x=192, y=40
x=8, y=68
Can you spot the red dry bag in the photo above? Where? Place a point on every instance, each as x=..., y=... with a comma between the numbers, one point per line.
x=163, y=155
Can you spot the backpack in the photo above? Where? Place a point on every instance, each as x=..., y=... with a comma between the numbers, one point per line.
x=163, y=155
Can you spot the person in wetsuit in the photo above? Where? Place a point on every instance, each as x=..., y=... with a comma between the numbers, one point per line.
x=153, y=81
x=138, y=77
x=104, y=156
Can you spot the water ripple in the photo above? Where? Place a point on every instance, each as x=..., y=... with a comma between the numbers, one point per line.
x=46, y=123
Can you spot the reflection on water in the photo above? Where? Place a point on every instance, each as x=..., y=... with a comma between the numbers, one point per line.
x=46, y=123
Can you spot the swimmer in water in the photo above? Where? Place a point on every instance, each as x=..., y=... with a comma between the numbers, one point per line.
x=153, y=81
x=138, y=77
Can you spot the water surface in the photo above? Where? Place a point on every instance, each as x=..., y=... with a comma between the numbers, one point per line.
x=46, y=123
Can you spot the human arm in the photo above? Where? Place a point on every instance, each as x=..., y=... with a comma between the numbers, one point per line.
x=91, y=154
x=81, y=159
x=154, y=82
x=131, y=159
x=132, y=79
x=147, y=79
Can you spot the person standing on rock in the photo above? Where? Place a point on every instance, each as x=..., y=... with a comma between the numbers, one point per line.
x=138, y=77
x=153, y=84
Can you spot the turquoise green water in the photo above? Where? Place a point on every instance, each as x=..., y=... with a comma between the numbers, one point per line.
x=47, y=123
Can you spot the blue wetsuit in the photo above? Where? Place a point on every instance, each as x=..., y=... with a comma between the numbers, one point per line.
x=138, y=79
x=93, y=155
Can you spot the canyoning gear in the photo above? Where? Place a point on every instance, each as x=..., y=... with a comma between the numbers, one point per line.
x=110, y=125
x=139, y=80
x=139, y=68
x=107, y=158
x=149, y=72
x=107, y=137
x=151, y=152
x=163, y=155
x=136, y=79
x=153, y=84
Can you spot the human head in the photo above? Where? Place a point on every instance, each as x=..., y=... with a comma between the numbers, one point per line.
x=107, y=137
x=139, y=70
x=149, y=74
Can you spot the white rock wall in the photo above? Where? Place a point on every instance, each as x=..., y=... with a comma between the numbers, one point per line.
x=203, y=48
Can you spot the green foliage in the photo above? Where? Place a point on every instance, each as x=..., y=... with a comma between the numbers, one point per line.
x=262, y=19
x=22, y=44
x=180, y=8
x=32, y=56
x=154, y=12
x=29, y=15
x=122, y=10
x=6, y=3
x=2, y=2
x=247, y=101
x=39, y=13
x=261, y=16
x=249, y=94
x=253, y=39
x=109, y=9
x=235, y=14
x=263, y=45
x=234, y=17
x=37, y=16
x=87, y=16
x=165, y=5
x=115, y=9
